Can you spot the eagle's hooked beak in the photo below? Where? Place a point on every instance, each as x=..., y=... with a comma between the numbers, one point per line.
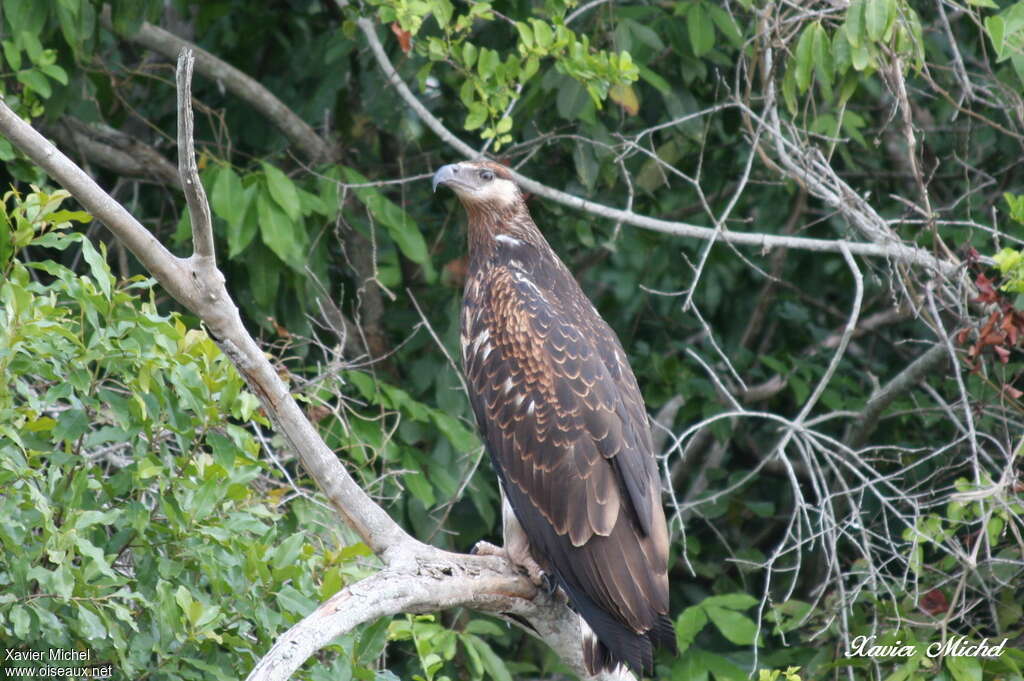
x=446, y=174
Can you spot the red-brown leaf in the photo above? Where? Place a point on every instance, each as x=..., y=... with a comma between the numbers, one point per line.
x=404, y=37
x=934, y=602
x=986, y=291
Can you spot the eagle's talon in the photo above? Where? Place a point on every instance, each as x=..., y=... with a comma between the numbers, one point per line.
x=486, y=548
x=550, y=585
x=522, y=561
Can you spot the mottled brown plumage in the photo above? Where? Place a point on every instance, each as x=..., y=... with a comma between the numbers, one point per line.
x=565, y=425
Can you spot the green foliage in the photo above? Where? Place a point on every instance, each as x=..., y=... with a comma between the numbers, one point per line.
x=491, y=82
x=140, y=521
x=437, y=645
x=1006, y=31
x=847, y=56
x=1011, y=265
x=788, y=674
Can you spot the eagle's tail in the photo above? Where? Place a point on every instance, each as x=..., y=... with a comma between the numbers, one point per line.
x=613, y=648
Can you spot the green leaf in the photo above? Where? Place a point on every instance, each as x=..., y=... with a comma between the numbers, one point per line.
x=542, y=33
x=586, y=164
x=468, y=56
x=293, y=601
x=689, y=623
x=491, y=663
x=525, y=35
x=90, y=626
x=995, y=527
x=288, y=552
x=789, y=90
x=645, y=35
x=20, y=621
x=55, y=72
x=654, y=80
x=822, y=51
x=736, y=627
x=487, y=63
x=572, y=99
x=35, y=81
x=416, y=482
x=964, y=668
x=68, y=15
x=94, y=554
x=733, y=601
x=854, y=26
x=12, y=53
x=877, y=15
x=242, y=230
x=805, y=58
x=726, y=25
x=30, y=43
x=24, y=15
x=701, y=29
x=476, y=117
x=442, y=11
x=98, y=267
x=860, y=57
x=721, y=668
x=282, y=189
x=71, y=425
x=372, y=640
x=279, y=233
x=89, y=518
x=227, y=195
x=995, y=26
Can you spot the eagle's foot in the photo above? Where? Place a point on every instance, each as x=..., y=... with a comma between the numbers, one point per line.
x=550, y=584
x=522, y=560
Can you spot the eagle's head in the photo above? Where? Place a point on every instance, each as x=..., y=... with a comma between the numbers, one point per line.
x=479, y=184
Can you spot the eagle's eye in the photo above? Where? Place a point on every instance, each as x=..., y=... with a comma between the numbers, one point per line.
x=486, y=175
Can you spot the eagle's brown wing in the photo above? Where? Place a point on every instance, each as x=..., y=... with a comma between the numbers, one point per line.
x=565, y=425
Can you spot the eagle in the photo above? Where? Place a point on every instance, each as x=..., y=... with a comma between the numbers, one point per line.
x=565, y=425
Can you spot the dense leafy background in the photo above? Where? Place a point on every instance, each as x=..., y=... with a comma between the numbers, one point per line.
x=150, y=515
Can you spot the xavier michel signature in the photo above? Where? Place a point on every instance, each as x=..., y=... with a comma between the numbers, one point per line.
x=957, y=646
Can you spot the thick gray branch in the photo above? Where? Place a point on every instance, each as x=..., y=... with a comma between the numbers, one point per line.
x=424, y=579
x=113, y=150
x=195, y=195
x=314, y=147
x=916, y=372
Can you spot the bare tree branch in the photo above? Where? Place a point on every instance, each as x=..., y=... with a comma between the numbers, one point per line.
x=195, y=195
x=916, y=372
x=886, y=248
x=314, y=147
x=426, y=584
x=113, y=150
